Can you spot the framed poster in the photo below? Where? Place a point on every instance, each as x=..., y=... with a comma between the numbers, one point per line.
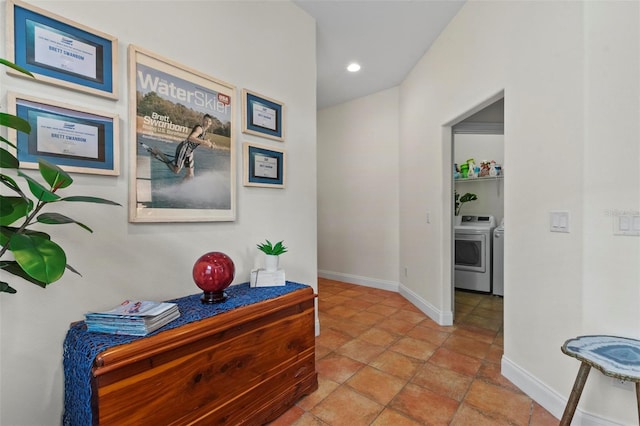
x=182, y=142
x=61, y=52
x=263, y=166
x=262, y=116
x=76, y=139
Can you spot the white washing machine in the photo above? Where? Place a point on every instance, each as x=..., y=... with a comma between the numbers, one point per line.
x=498, y=261
x=473, y=253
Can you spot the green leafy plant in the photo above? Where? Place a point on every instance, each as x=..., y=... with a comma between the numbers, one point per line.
x=460, y=200
x=37, y=259
x=274, y=250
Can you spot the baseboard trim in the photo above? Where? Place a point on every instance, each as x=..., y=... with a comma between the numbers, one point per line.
x=356, y=279
x=548, y=398
x=442, y=318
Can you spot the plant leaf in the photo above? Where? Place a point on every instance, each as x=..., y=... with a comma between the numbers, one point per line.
x=54, y=175
x=39, y=191
x=58, y=219
x=278, y=249
x=41, y=258
x=72, y=269
x=10, y=183
x=15, y=67
x=12, y=209
x=8, y=160
x=15, y=122
x=8, y=142
x=6, y=288
x=6, y=232
x=88, y=199
x=15, y=269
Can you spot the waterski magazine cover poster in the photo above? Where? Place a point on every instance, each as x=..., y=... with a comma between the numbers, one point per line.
x=184, y=143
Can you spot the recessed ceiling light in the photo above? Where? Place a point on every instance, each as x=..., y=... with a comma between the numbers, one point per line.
x=353, y=67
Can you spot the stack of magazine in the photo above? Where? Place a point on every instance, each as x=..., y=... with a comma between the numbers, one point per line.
x=133, y=317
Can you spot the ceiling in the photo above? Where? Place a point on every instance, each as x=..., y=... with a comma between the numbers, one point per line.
x=386, y=37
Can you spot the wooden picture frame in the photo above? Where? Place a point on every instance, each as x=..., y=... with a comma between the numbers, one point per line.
x=61, y=52
x=263, y=166
x=76, y=139
x=169, y=102
x=262, y=116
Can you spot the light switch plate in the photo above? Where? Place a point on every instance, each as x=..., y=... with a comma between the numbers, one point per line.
x=626, y=225
x=559, y=221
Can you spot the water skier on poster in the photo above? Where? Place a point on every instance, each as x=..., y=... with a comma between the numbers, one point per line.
x=184, y=151
x=183, y=157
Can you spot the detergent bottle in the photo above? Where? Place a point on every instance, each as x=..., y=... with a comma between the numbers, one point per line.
x=472, y=169
x=492, y=169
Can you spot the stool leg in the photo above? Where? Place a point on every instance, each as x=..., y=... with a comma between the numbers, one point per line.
x=638, y=398
x=578, y=385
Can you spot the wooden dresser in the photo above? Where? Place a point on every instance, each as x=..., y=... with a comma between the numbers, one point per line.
x=246, y=366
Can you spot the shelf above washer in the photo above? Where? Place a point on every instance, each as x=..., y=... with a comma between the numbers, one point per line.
x=479, y=179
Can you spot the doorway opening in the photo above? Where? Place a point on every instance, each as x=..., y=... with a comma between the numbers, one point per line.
x=477, y=197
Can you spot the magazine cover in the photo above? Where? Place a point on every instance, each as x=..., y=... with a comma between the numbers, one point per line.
x=184, y=150
x=136, y=308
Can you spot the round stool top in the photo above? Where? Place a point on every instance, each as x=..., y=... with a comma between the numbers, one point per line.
x=617, y=357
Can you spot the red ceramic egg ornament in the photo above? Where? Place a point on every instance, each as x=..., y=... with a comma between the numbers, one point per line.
x=213, y=272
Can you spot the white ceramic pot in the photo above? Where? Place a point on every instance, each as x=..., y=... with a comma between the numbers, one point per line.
x=271, y=262
x=457, y=220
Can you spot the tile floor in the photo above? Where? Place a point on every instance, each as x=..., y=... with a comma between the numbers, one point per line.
x=381, y=361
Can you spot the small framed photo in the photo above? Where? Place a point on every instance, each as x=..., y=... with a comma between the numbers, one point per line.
x=263, y=166
x=76, y=139
x=262, y=116
x=61, y=52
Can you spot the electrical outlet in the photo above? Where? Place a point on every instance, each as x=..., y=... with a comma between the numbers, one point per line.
x=623, y=384
x=405, y=271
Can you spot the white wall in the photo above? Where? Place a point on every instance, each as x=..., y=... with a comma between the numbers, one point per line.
x=358, y=191
x=267, y=47
x=557, y=116
x=569, y=75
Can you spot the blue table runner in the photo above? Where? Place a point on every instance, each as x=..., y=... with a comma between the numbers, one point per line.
x=81, y=347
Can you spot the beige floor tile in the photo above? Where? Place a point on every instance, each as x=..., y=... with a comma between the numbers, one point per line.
x=379, y=337
x=499, y=402
x=442, y=381
x=424, y=406
x=337, y=367
x=376, y=385
x=415, y=348
x=360, y=350
x=396, y=364
x=455, y=361
x=391, y=417
x=344, y=406
x=325, y=387
x=382, y=362
x=467, y=346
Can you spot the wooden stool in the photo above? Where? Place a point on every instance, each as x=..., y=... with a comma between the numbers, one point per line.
x=617, y=357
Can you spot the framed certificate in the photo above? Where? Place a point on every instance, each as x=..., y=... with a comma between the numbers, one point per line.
x=76, y=139
x=263, y=166
x=262, y=116
x=61, y=52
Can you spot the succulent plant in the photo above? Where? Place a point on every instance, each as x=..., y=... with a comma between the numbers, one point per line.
x=274, y=250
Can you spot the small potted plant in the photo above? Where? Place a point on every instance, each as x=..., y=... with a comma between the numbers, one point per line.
x=272, y=253
x=459, y=201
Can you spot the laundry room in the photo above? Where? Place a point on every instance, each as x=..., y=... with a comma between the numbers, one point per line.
x=479, y=173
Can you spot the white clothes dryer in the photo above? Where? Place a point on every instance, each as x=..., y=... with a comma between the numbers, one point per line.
x=473, y=253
